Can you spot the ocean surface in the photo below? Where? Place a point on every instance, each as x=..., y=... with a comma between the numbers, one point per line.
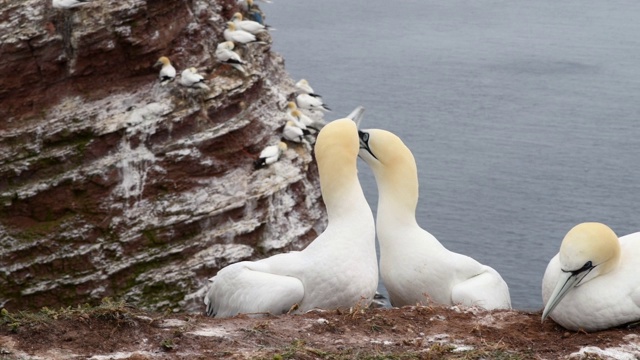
x=523, y=116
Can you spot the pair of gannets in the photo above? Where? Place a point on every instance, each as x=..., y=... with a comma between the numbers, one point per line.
x=337, y=270
x=593, y=283
x=415, y=267
x=232, y=33
x=189, y=76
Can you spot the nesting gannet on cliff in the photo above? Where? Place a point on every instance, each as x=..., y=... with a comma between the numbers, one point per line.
x=167, y=72
x=67, y=4
x=593, y=283
x=249, y=26
x=308, y=122
x=337, y=270
x=414, y=266
x=232, y=33
x=226, y=55
x=308, y=102
x=191, y=78
x=269, y=155
x=294, y=133
x=303, y=87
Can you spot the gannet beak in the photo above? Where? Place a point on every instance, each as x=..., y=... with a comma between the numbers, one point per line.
x=364, y=142
x=356, y=115
x=567, y=281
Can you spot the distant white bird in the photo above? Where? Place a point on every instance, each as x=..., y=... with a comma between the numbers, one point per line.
x=593, y=283
x=168, y=72
x=269, y=155
x=308, y=102
x=303, y=87
x=232, y=33
x=338, y=270
x=249, y=26
x=308, y=122
x=414, y=266
x=191, y=78
x=67, y=4
x=226, y=55
x=293, y=133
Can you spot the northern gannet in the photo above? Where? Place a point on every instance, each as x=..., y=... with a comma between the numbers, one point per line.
x=308, y=102
x=294, y=133
x=232, y=33
x=308, y=122
x=191, y=78
x=269, y=155
x=249, y=26
x=67, y=4
x=226, y=55
x=254, y=13
x=337, y=270
x=303, y=87
x=593, y=283
x=167, y=73
x=415, y=267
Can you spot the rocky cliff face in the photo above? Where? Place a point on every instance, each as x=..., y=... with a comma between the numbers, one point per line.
x=112, y=185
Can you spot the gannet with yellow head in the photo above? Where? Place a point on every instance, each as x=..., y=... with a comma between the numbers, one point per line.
x=232, y=33
x=415, y=267
x=337, y=270
x=249, y=26
x=593, y=283
x=167, y=72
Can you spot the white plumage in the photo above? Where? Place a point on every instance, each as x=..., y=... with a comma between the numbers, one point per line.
x=308, y=102
x=337, y=270
x=231, y=33
x=270, y=154
x=249, y=26
x=191, y=78
x=303, y=87
x=67, y=4
x=415, y=267
x=226, y=55
x=167, y=72
x=593, y=283
x=293, y=133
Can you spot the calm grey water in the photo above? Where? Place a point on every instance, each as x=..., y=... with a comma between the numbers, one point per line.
x=523, y=116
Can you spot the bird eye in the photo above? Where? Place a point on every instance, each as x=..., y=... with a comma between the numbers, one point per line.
x=364, y=136
x=587, y=265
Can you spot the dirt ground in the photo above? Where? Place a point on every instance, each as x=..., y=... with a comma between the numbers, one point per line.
x=400, y=333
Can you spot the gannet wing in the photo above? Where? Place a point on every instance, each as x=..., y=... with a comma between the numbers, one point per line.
x=479, y=285
x=246, y=287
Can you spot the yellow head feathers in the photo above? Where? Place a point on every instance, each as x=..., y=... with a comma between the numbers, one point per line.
x=594, y=242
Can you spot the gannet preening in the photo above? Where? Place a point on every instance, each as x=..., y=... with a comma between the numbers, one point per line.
x=414, y=266
x=303, y=87
x=67, y=4
x=593, y=283
x=232, y=33
x=294, y=133
x=269, y=155
x=191, y=78
x=249, y=26
x=168, y=72
x=226, y=55
x=337, y=270
x=308, y=102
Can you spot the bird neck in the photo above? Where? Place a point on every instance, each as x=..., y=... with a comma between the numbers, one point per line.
x=397, y=196
x=341, y=190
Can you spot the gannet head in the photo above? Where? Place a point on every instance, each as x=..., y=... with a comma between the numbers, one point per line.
x=229, y=45
x=291, y=105
x=282, y=147
x=303, y=82
x=382, y=149
x=291, y=123
x=237, y=16
x=163, y=60
x=296, y=113
x=587, y=251
x=250, y=3
x=231, y=26
x=337, y=142
x=193, y=70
